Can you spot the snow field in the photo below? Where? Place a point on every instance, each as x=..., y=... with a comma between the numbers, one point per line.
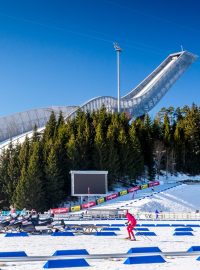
x=179, y=198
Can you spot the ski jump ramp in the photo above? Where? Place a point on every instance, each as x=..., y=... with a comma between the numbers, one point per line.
x=137, y=102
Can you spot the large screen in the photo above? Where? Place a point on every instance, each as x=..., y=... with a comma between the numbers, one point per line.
x=88, y=183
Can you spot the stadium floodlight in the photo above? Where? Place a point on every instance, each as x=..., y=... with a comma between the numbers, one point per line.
x=118, y=50
x=116, y=46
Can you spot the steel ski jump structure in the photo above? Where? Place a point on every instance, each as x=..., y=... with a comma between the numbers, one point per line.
x=137, y=102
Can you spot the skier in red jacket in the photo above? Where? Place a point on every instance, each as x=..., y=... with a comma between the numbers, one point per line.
x=131, y=224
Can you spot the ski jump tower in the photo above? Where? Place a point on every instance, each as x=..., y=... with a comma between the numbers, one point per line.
x=149, y=92
x=137, y=102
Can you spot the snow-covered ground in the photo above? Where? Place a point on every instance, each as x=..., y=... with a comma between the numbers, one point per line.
x=177, y=198
x=172, y=197
x=47, y=245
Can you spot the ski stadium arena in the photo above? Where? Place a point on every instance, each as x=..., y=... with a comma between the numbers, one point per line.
x=137, y=102
x=169, y=241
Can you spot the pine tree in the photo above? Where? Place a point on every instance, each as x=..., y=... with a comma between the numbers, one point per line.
x=36, y=134
x=100, y=149
x=137, y=159
x=101, y=121
x=4, y=178
x=9, y=172
x=63, y=135
x=49, y=135
x=124, y=153
x=180, y=145
x=192, y=135
x=29, y=192
x=24, y=154
x=178, y=114
x=83, y=141
x=113, y=163
x=14, y=171
x=21, y=192
x=54, y=179
x=103, y=118
x=156, y=130
x=61, y=121
x=80, y=140
x=72, y=153
x=19, y=195
x=166, y=131
x=160, y=115
x=50, y=129
x=147, y=143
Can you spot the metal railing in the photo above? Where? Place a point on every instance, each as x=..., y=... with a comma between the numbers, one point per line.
x=168, y=216
x=150, y=216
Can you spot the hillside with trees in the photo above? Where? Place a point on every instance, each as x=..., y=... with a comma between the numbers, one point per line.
x=35, y=174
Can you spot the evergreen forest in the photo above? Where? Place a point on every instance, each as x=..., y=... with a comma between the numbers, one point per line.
x=35, y=173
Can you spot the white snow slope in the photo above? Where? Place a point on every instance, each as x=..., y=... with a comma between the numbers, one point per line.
x=180, y=198
x=167, y=198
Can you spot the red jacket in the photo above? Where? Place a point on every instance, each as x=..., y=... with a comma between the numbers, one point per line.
x=131, y=219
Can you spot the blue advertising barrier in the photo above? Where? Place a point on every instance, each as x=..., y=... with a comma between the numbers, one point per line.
x=145, y=233
x=193, y=248
x=66, y=263
x=142, y=229
x=62, y=234
x=71, y=252
x=183, y=234
x=145, y=260
x=13, y=254
x=188, y=229
x=21, y=234
x=143, y=249
x=105, y=234
x=111, y=229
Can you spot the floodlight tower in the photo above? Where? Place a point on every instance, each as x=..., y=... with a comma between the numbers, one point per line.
x=118, y=50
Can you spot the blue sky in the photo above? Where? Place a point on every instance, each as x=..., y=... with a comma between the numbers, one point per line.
x=60, y=52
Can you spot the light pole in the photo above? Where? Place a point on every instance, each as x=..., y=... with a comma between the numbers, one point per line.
x=118, y=50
